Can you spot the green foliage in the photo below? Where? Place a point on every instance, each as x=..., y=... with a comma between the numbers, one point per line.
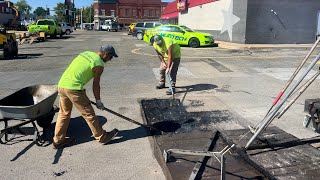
x=40, y=11
x=23, y=7
x=88, y=14
x=60, y=11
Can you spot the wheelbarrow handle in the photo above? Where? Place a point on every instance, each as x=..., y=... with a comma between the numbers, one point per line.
x=126, y=118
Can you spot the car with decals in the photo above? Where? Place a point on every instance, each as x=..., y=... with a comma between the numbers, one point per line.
x=181, y=34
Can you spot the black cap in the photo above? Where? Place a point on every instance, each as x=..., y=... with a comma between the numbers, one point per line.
x=108, y=49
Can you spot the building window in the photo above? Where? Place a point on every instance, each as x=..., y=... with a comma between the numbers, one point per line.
x=157, y=13
x=145, y=13
x=150, y=13
x=134, y=13
x=96, y=12
x=112, y=13
x=127, y=12
x=103, y=12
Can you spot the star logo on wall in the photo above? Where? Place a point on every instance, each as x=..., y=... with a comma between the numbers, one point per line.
x=229, y=20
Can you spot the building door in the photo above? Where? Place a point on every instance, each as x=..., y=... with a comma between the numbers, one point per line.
x=318, y=26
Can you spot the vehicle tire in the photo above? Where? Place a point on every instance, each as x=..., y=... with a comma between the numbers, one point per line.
x=54, y=34
x=15, y=49
x=139, y=36
x=194, y=42
x=67, y=32
x=151, y=40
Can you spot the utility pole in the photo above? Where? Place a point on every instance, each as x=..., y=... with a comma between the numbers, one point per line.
x=81, y=19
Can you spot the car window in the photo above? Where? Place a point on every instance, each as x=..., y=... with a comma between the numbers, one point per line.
x=186, y=28
x=43, y=22
x=157, y=24
x=149, y=25
x=175, y=29
x=164, y=28
x=139, y=24
x=68, y=24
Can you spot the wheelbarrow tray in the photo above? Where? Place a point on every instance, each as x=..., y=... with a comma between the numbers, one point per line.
x=29, y=103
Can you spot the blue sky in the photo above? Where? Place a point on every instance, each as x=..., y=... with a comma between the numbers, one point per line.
x=52, y=3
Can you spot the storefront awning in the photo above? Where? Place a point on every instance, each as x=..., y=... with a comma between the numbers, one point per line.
x=170, y=15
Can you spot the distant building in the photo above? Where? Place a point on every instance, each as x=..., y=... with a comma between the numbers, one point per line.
x=251, y=21
x=170, y=14
x=127, y=11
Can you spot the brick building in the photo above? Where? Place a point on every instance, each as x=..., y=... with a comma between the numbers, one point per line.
x=127, y=11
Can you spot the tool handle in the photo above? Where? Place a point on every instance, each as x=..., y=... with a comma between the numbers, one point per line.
x=124, y=117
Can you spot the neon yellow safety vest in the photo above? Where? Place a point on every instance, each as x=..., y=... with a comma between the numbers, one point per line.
x=79, y=72
x=163, y=50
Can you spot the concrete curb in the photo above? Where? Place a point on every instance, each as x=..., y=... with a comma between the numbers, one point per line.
x=229, y=45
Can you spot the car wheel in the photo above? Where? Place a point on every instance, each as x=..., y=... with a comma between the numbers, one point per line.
x=139, y=36
x=67, y=32
x=54, y=34
x=151, y=40
x=194, y=42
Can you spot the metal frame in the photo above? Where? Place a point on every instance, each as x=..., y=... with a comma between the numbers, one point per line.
x=218, y=155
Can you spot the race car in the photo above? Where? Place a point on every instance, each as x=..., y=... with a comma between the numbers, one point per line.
x=181, y=34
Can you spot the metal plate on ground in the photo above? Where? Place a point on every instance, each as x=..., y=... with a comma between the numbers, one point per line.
x=193, y=131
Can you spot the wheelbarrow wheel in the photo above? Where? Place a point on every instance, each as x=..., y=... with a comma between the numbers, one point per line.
x=46, y=120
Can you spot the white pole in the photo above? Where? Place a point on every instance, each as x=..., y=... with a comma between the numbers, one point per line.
x=81, y=19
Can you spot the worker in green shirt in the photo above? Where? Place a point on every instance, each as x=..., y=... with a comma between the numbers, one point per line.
x=86, y=66
x=169, y=54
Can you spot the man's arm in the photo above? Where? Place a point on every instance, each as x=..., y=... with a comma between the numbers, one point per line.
x=160, y=56
x=96, y=81
x=164, y=65
x=169, y=58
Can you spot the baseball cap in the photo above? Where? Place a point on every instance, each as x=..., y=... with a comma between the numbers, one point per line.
x=157, y=39
x=108, y=49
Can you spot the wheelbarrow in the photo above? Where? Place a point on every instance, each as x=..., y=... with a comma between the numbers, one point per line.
x=27, y=105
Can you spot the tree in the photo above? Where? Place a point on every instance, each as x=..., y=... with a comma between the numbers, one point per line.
x=23, y=7
x=40, y=11
x=60, y=10
x=88, y=14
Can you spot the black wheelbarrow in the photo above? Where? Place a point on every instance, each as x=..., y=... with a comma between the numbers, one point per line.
x=27, y=105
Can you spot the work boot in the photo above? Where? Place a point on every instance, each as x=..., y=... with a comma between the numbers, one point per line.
x=160, y=86
x=169, y=91
x=67, y=141
x=108, y=136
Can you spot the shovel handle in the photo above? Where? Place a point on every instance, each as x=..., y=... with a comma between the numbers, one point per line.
x=124, y=117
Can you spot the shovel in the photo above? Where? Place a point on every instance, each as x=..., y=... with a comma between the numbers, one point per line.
x=126, y=118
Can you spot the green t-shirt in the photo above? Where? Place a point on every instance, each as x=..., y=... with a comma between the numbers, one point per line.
x=80, y=72
x=163, y=50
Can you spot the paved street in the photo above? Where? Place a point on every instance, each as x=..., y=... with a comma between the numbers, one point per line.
x=245, y=82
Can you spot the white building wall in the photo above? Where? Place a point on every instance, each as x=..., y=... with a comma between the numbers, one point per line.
x=205, y=17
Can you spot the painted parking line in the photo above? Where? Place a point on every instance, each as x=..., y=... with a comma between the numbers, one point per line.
x=139, y=52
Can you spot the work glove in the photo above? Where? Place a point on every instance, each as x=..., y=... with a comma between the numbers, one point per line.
x=99, y=104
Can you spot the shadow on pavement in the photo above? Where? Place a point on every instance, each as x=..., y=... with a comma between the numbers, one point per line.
x=131, y=134
x=196, y=87
x=27, y=56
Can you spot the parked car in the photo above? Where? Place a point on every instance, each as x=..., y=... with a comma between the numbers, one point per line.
x=109, y=25
x=181, y=34
x=66, y=28
x=49, y=26
x=140, y=27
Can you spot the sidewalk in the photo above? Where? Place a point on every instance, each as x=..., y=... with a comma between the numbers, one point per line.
x=230, y=45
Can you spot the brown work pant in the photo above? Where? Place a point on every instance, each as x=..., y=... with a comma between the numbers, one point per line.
x=173, y=73
x=68, y=98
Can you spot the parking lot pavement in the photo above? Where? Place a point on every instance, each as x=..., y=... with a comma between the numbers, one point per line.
x=245, y=82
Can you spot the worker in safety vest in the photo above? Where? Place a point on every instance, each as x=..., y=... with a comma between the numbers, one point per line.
x=169, y=54
x=86, y=66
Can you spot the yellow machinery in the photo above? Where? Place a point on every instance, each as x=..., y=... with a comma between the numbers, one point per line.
x=8, y=44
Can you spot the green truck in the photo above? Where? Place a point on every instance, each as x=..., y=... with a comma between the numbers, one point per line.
x=49, y=26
